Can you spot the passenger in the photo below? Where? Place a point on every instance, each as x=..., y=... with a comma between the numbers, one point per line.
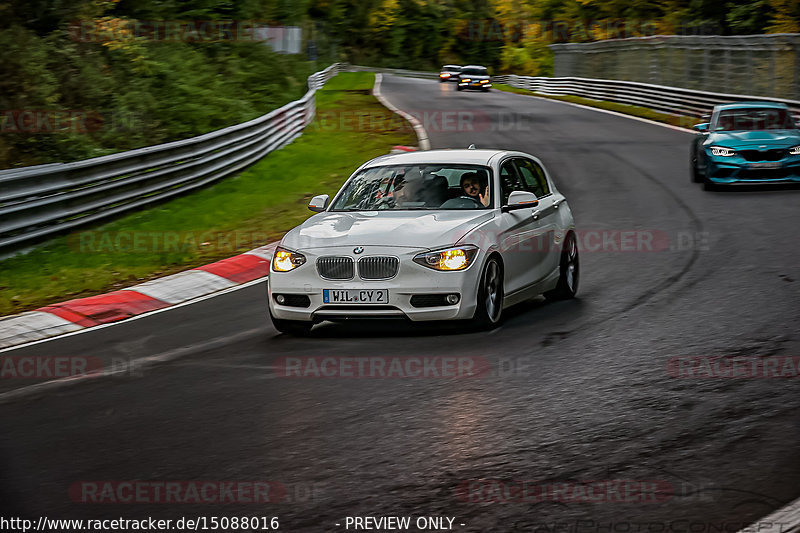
x=476, y=187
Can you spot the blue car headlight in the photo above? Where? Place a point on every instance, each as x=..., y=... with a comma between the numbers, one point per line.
x=721, y=151
x=794, y=150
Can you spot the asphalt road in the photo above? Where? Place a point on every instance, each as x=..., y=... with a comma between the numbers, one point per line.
x=579, y=390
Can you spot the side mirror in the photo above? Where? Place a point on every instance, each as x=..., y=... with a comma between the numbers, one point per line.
x=319, y=203
x=701, y=127
x=520, y=200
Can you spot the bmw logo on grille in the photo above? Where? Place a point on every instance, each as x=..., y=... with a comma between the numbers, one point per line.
x=358, y=250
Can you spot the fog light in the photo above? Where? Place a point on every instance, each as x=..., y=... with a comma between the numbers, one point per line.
x=452, y=299
x=280, y=299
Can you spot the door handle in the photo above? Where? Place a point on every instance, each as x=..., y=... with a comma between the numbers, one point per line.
x=536, y=214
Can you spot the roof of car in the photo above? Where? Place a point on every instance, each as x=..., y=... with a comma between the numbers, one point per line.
x=467, y=157
x=474, y=66
x=748, y=105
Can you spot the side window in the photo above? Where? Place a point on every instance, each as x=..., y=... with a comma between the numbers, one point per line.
x=533, y=176
x=509, y=181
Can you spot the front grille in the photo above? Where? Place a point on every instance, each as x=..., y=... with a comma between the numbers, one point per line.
x=378, y=267
x=764, y=155
x=333, y=267
x=764, y=174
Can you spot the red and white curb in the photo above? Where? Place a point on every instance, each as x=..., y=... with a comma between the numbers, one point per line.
x=81, y=313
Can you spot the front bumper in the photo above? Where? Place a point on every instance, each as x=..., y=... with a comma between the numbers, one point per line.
x=411, y=279
x=736, y=169
x=474, y=85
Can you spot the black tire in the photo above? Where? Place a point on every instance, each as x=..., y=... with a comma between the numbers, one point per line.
x=696, y=175
x=298, y=328
x=459, y=88
x=489, y=312
x=569, y=272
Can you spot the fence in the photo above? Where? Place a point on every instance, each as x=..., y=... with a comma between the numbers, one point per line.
x=762, y=65
x=38, y=201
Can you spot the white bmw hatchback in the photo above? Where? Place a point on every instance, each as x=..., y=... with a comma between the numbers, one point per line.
x=433, y=235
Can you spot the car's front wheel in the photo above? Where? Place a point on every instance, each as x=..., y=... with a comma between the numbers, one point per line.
x=299, y=328
x=489, y=312
x=569, y=271
x=697, y=176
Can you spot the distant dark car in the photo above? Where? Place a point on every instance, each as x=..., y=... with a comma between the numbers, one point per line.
x=449, y=73
x=746, y=142
x=474, y=77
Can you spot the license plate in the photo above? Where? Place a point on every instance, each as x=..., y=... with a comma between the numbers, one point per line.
x=765, y=165
x=355, y=296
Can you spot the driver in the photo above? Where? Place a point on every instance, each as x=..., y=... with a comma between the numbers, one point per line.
x=476, y=186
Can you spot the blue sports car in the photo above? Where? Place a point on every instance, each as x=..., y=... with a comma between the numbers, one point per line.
x=747, y=142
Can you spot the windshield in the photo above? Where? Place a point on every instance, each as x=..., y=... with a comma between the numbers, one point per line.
x=424, y=187
x=475, y=71
x=753, y=119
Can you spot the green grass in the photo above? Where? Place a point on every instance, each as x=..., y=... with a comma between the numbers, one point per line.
x=235, y=215
x=676, y=120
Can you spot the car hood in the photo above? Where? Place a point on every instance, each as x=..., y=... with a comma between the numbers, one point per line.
x=770, y=138
x=412, y=229
x=475, y=76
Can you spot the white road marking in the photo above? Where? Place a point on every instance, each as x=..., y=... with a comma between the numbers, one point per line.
x=607, y=111
x=137, y=317
x=422, y=135
x=163, y=357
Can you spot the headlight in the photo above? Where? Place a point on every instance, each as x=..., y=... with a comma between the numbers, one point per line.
x=484, y=81
x=466, y=80
x=444, y=75
x=794, y=150
x=457, y=258
x=285, y=260
x=722, y=151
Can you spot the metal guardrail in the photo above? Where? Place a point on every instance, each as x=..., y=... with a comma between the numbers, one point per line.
x=673, y=100
x=38, y=201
